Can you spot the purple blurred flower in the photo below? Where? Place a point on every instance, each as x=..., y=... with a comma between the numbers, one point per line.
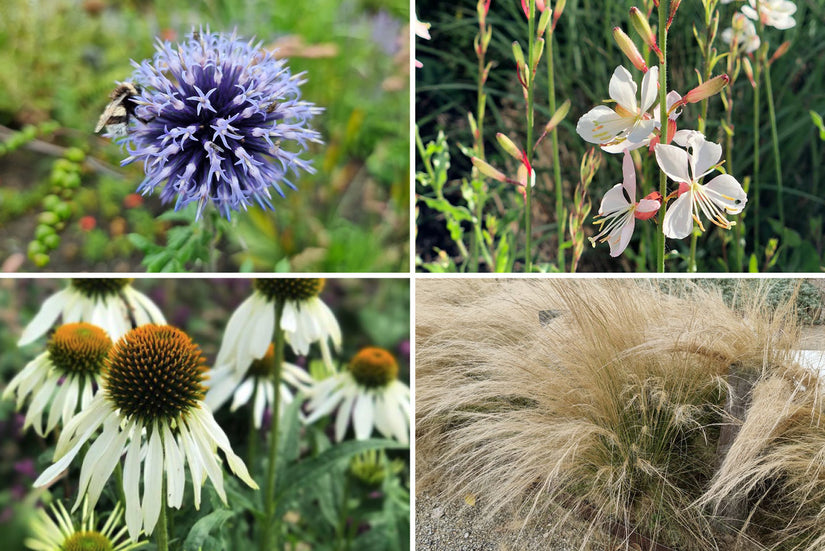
x=225, y=123
x=26, y=468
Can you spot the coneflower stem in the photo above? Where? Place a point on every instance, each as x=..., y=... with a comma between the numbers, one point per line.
x=663, y=13
x=162, y=533
x=267, y=543
x=528, y=229
x=343, y=514
x=252, y=451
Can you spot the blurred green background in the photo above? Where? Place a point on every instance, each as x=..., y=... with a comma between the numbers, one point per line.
x=371, y=312
x=585, y=57
x=59, y=59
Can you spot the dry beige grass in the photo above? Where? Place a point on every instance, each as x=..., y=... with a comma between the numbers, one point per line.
x=612, y=411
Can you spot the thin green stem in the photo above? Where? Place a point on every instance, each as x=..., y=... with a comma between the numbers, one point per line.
x=755, y=182
x=341, y=529
x=475, y=236
x=252, y=451
x=551, y=85
x=528, y=228
x=663, y=13
x=162, y=535
x=775, y=138
x=266, y=543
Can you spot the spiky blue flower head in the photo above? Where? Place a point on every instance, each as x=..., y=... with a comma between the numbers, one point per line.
x=224, y=123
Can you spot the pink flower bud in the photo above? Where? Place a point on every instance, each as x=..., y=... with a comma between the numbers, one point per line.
x=639, y=22
x=509, y=146
x=488, y=170
x=706, y=89
x=629, y=48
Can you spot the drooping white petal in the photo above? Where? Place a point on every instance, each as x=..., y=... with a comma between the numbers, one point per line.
x=234, y=332
x=147, y=311
x=650, y=88
x=243, y=393
x=260, y=335
x=152, y=481
x=131, y=486
x=58, y=403
x=344, y=414
x=38, y=404
x=105, y=454
x=195, y=464
x=211, y=428
x=207, y=456
x=704, y=157
x=260, y=405
x=64, y=459
x=175, y=476
x=678, y=222
x=49, y=311
x=622, y=89
x=362, y=416
x=674, y=162
x=726, y=192
x=29, y=378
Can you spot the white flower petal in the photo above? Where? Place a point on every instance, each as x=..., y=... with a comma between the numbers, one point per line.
x=674, y=162
x=642, y=131
x=678, y=222
x=602, y=124
x=726, y=192
x=629, y=173
x=650, y=88
x=45, y=317
x=175, y=475
x=131, y=486
x=617, y=246
x=344, y=414
x=152, y=481
x=362, y=416
x=704, y=157
x=622, y=89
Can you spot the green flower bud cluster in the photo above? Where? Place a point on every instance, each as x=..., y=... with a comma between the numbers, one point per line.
x=57, y=205
x=27, y=134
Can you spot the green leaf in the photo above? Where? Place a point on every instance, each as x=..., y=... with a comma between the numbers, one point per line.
x=201, y=530
x=753, y=264
x=298, y=474
x=817, y=118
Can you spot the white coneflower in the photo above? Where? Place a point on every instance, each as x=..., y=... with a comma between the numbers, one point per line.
x=224, y=383
x=150, y=406
x=108, y=303
x=63, y=377
x=62, y=534
x=369, y=392
x=305, y=319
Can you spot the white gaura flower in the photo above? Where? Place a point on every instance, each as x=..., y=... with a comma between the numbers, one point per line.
x=105, y=302
x=743, y=32
x=629, y=120
x=421, y=30
x=258, y=383
x=774, y=13
x=61, y=534
x=619, y=210
x=305, y=319
x=64, y=377
x=721, y=195
x=149, y=406
x=370, y=393
x=673, y=98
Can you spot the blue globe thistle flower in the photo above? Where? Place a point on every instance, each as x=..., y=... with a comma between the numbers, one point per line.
x=224, y=123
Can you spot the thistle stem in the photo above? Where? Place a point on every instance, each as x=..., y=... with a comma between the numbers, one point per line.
x=269, y=496
x=663, y=13
x=528, y=229
x=551, y=85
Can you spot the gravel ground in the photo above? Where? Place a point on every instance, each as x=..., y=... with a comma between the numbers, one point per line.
x=451, y=526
